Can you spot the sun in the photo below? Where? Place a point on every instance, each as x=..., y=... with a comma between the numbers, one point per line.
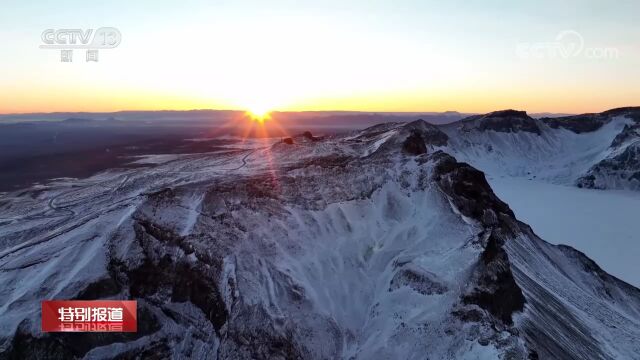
x=260, y=114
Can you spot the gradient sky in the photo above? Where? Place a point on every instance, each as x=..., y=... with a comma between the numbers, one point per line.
x=417, y=55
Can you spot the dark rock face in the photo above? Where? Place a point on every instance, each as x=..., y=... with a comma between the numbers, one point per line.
x=494, y=287
x=631, y=112
x=156, y=350
x=622, y=168
x=101, y=289
x=420, y=281
x=173, y=280
x=578, y=124
x=469, y=190
x=158, y=281
x=288, y=141
x=628, y=159
x=414, y=144
x=414, y=138
x=308, y=136
x=258, y=338
x=587, y=181
x=628, y=133
x=430, y=134
x=506, y=121
x=591, y=122
x=496, y=290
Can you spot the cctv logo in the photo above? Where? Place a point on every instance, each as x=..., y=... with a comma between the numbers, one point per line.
x=103, y=38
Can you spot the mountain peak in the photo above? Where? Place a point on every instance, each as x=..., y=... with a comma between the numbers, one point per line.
x=507, y=113
x=506, y=121
x=419, y=124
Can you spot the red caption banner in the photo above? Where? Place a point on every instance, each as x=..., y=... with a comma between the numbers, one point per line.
x=89, y=316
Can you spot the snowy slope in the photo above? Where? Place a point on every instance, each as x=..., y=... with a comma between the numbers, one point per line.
x=602, y=224
x=620, y=169
x=551, y=151
x=371, y=246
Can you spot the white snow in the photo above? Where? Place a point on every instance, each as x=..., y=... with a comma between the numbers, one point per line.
x=379, y=142
x=603, y=224
x=155, y=159
x=193, y=213
x=344, y=258
x=557, y=156
x=535, y=175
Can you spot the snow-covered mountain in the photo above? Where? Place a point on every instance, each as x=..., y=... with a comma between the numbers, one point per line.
x=382, y=244
x=595, y=150
x=620, y=169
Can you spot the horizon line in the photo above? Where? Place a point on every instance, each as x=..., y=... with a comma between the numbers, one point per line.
x=307, y=111
x=294, y=111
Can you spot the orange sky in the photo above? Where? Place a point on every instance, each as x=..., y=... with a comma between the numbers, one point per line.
x=90, y=100
x=408, y=56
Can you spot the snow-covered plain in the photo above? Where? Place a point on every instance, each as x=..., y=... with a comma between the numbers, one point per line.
x=602, y=224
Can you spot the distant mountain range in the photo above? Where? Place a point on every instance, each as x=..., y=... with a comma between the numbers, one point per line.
x=355, y=119
x=343, y=119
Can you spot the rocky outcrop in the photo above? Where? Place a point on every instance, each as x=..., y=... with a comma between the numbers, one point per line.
x=419, y=280
x=619, y=171
x=469, y=190
x=585, y=123
x=578, y=124
x=414, y=144
x=630, y=112
x=506, y=121
x=493, y=288
x=431, y=134
x=628, y=134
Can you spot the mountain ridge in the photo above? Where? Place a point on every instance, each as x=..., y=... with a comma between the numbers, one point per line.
x=593, y=150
